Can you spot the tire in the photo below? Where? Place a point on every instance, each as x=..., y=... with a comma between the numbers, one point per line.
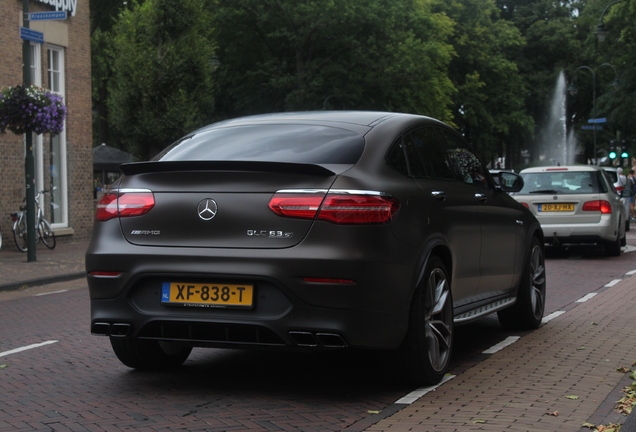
x=151, y=355
x=46, y=234
x=613, y=248
x=527, y=312
x=20, y=234
x=425, y=353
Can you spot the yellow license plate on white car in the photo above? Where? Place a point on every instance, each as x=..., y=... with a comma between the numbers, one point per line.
x=207, y=294
x=556, y=207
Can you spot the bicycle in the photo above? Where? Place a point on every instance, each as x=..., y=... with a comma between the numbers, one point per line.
x=43, y=227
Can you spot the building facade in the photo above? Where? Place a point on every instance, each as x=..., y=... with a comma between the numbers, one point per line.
x=63, y=164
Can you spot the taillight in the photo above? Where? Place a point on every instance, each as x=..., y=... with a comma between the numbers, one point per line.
x=323, y=280
x=602, y=206
x=124, y=203
x=339, y=207
x=526, y=205
x=303, y=205
x=104, y=273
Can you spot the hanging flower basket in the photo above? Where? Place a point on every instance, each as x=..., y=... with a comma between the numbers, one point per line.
x=31, y=107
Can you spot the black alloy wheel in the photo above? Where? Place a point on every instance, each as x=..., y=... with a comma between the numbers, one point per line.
x=426, y=350
x=527, y=312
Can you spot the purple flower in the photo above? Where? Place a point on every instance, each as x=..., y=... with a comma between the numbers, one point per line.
x=23, y=108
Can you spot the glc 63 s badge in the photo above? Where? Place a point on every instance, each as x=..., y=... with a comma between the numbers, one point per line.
x=269, y=234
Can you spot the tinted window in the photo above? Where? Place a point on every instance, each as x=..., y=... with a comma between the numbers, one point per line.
x=465, y=162
x=396, y=158
x=430, y=153
x=563, y=182
x=269, y=143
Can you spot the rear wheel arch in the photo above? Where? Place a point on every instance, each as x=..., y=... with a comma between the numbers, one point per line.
x=434, y=248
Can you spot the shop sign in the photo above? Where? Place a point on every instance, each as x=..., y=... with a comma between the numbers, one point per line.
x=62, y=5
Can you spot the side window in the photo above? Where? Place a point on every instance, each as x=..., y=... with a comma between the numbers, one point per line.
x=396, y=158
x=466, y=163
x=431, y=153
x=403, y=158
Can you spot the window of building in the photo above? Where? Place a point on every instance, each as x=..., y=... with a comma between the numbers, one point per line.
x=57, y=182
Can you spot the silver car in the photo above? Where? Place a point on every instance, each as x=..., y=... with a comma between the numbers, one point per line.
x=575, y=205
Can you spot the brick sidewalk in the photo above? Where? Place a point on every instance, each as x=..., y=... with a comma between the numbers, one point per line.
x=65, y=262
x=554, y=379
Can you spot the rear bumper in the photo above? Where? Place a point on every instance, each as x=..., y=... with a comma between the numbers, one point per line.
x=604, y=231
x=287, y=311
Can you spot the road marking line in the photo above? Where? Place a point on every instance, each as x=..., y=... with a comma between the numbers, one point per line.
x=587, y=297
x=501, y=345
x=614, y=282
x=629, y=248
x=416, y=394
x=47, y=293
x=631, y=272
x=552, y=316
x=28, y=347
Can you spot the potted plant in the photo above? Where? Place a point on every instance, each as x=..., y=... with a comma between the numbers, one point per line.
x=32, y=108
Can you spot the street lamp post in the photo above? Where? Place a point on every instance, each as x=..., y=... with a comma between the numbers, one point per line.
x=601, y=31
x=573, y=90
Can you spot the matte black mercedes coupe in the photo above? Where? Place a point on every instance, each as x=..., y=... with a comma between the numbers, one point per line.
x=315, y=230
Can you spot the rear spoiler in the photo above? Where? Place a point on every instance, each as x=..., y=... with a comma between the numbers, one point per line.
x=273, y=167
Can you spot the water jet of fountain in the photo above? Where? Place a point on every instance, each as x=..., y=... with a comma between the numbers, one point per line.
x=559, y=146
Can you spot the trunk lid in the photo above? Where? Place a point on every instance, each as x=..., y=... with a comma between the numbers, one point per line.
x=219, y=205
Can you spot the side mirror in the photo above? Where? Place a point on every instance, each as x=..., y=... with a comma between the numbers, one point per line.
x=509, y=181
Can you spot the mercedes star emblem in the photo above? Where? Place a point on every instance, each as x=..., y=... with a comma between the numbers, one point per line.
x=207, y=209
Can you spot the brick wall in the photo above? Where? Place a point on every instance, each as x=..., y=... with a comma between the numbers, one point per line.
x=78, y=125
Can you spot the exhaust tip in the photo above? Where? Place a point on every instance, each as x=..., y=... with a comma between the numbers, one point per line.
x=331, y=340
x=120, y=330
x=304, y=339
x=100, y=329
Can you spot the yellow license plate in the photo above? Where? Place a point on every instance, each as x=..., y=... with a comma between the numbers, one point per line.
x=207, y=295
x=556, y=207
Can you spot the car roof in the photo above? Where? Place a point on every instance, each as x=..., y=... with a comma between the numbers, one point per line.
x=553, y=168
x=359, y=121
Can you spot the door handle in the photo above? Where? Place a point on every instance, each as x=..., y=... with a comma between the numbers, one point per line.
x=439, y=195
x=481, y=197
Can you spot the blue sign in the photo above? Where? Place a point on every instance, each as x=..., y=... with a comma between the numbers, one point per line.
x=31, y=35
x=599, y=120
x=592, y=127
x=41, y=16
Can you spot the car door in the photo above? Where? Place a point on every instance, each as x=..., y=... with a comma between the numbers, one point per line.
x=500, y=218
x=451, y=206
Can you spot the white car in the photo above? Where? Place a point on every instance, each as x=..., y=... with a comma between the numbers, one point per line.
x=575, y=204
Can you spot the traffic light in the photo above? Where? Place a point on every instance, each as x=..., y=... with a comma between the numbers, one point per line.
x=612, y=151
x=624, y=153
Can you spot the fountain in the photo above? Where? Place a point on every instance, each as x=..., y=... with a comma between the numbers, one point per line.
x=558, y=146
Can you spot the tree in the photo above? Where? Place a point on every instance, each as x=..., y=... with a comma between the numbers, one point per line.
x=554, y=37
x=103, y=15
x=489, y=104
x=278, y=55
x=163, y=61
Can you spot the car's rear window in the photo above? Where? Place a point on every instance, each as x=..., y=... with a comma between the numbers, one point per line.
x=563, y=182
x=309, y=144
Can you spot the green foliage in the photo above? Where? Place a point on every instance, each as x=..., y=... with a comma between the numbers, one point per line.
x=488, y=67
x=489, y=104
x=309, y=54
x=162, y=60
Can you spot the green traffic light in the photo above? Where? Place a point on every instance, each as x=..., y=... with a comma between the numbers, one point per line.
x=624, y=154
x=612, y=155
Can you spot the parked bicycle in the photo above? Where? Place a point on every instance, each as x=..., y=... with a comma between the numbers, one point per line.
x=43, y=227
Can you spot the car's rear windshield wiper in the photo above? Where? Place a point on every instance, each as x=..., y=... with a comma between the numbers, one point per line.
x=544, y=191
